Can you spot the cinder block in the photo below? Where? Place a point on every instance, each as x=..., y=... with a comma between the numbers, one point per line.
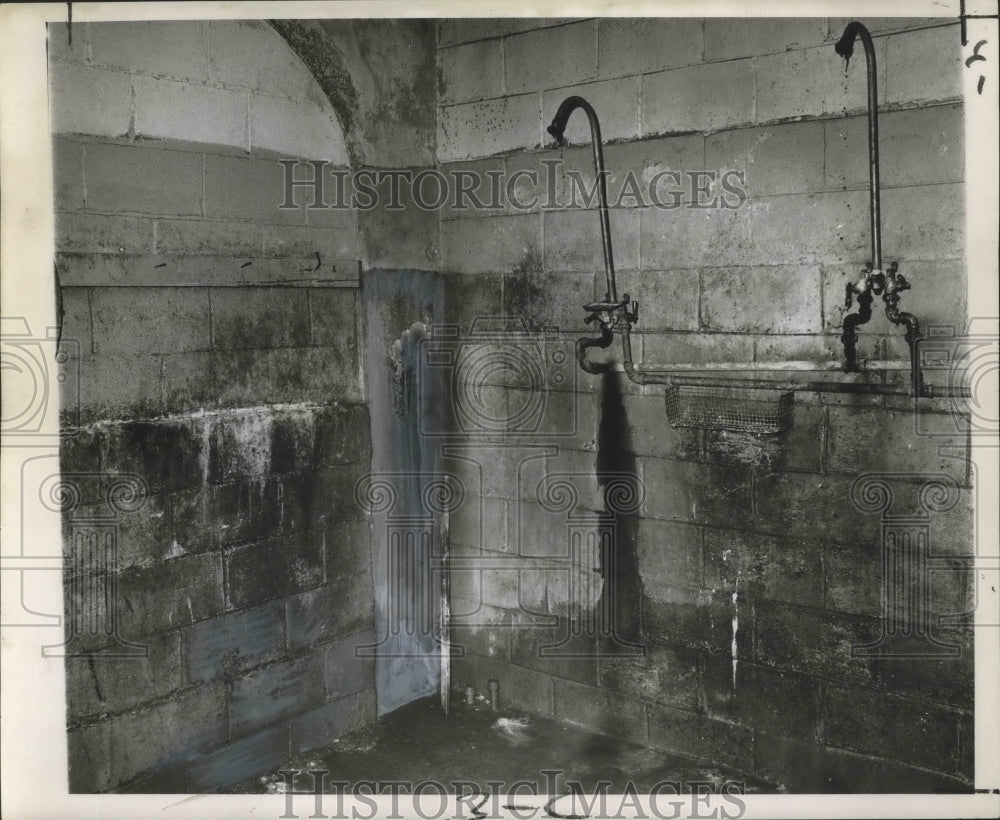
x=123, y=178
x=89, y=758
x=414, y=232
x=478, y=188
x=165, y=109
x=616, y=103
x=313, y=374
x=319, y=726
x=480, y=129
x=346, y=670
x=88, y=100
x=466, y=29
x=342, y=435
x=810, y=228
x=236, y=513
x=179, y=591
x=273, y=569
x=696, y=347
x=761, y=698
x=608, y=713
x=67, y=170
x=174, y=48
x=274, y=67
x=492, y=244
x=99, y=684
x=812, y=507
x=296, y=128
x=261, y=752
x=776, y=159
x=698, y=98
x=783, y=95
x=647, y=44
x=855, y=581
x=337, y=609
x=729, y=38
x=780, y=299
x=230, y=643
x=669, y=554
x=814, y=642
x=799, y=448
x=470, y=72
x=267, y=694
x=196, y=236
x=483, y=525
x=661, y=167
x=573, y=240
x=325, y=244
x=923, y=66
x=323, y=497
x=168, y=732
x=897, y=728
x=698, y=620
x=558, y=650
x=100, y=233
x=144, y=535
x=167, y=455
x=668, y=299
x=259, y=317
x=689, y=238
x=918, y=146
x=863, y=441
x=116, y=387
x=652, y=434
x=924, y=222
x=702, y=493
x=663, y=674
x=254, y=189
x=550, y=301
x=292, y=434
x=563, y=55
x=690, y=734
x=150, y=320
x=476, y=627
x=242, y=378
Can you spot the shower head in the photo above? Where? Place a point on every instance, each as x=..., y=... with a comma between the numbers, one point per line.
x=558, y=127
x=845, y=45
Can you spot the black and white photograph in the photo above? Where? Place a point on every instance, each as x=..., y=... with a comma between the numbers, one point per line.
x=476, y=410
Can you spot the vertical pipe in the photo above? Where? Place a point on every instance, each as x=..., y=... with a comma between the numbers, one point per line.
x=556, y=129
x=845, y=48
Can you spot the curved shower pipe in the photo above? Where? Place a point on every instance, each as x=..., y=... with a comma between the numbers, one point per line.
x=875, y=281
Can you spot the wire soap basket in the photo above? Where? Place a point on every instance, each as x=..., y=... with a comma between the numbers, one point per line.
x=744, y=410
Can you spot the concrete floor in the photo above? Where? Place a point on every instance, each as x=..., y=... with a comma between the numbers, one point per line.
x=417, y=743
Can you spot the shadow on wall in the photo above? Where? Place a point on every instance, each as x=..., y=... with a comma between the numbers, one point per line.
x=618, y=477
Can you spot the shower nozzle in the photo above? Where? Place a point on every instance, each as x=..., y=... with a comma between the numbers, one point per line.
x=556, y=130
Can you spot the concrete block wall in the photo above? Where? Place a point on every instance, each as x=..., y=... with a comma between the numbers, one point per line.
x=217, y=340
x=756, y=573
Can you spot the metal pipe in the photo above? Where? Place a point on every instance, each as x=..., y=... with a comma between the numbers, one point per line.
x=584, y=343
x=557, y=130
x=845, y=48
x=849, y=335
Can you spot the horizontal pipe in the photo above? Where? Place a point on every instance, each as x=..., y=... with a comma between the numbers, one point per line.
x=776, y=366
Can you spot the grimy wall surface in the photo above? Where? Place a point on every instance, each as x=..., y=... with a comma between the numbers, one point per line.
x=755, y=572
x=219, y=342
